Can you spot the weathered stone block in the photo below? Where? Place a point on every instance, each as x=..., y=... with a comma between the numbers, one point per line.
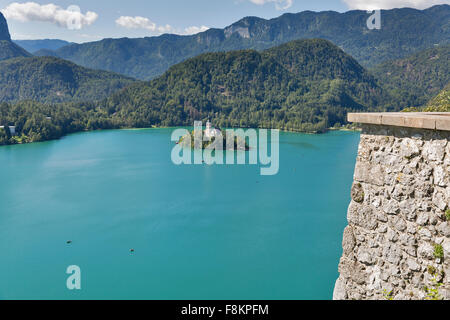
x=392, y=235
x=398, y=223
x=353, y=271
x=365, y=172
x=357, y=192
x=408, y=209
x=426, y=251
x=446, y=247
x=391, y=207
x=361, y=216
x=409, y=148
x=444, y=229
x=392, y=253
x=434, y=150
x=413, y=265
x=422, y=219
x=340, y=291
x=425, y=234
x=349, y=241
x=441, y=176
x=365, y=257
x=439, y=200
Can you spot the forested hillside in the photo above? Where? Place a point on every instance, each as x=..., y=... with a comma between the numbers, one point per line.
x=413, y=81
x=441, y=103
x=35, y=121
x=48, y=79
x=9, y=50
x=306, y=85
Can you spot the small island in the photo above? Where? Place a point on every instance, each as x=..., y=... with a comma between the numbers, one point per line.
x=213, y=138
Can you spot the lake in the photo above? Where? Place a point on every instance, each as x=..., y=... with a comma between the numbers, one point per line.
x=199, y=231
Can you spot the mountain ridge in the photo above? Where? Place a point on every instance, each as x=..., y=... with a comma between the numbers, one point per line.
x=4, y=31
x=8, y=49
x=41, y=44
x=399, y=37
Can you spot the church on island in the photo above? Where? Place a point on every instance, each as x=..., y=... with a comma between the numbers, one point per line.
x=211, y=132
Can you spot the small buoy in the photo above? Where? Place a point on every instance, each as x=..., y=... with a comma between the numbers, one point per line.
x=69, y=241
x=131, y=250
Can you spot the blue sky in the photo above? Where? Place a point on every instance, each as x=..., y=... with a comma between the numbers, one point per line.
x=99, y=19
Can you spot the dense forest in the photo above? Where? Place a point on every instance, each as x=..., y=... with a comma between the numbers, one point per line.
x=441, y=103
x=49, y=79
x=53, y=80
x=36, y=121
x=404, y=32
x=305, y=85
x=10, y=50
x=413, y=81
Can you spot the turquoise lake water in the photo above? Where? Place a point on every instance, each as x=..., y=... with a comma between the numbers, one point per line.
x=199, y=232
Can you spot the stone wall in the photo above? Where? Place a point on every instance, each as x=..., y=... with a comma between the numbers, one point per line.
x=397, y=243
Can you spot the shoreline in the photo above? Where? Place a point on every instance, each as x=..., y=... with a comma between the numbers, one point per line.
x=163, y=127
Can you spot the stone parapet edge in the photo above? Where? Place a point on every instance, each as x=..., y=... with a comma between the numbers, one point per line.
x=430, y=120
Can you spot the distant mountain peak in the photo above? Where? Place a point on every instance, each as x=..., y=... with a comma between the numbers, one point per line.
x=242, y=31
x=8, y=49
x=248, y=21
x=4, y=31
x=243, y=27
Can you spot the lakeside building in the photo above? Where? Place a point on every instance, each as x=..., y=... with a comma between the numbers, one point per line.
x=12, y=129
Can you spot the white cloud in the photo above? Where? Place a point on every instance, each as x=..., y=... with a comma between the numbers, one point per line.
x=279, y=4
x=145, y=23
x=195, y=30
x=70, y=18
x=142, y=23
x=136, y=23
x=390, y=4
